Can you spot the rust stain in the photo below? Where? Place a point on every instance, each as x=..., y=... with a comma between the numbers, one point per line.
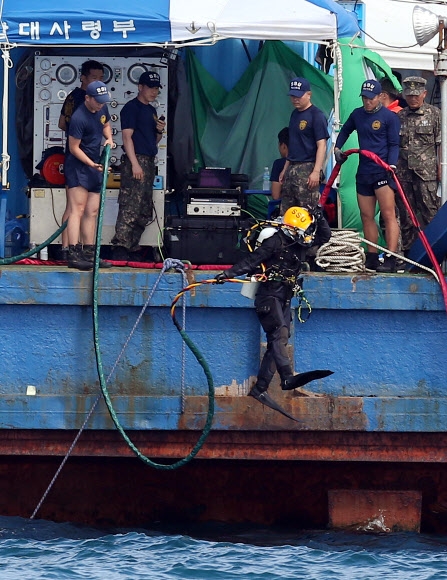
x=375, y=510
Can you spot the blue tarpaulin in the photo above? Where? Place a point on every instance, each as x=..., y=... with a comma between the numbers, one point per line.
x=44, y=22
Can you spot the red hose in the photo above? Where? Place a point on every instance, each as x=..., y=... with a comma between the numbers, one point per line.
x=411, y=213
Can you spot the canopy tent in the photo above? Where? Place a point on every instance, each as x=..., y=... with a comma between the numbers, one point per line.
x=389, y=31
x=28, y=22
x=177, y=23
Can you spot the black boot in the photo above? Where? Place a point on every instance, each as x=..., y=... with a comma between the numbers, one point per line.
x=388, y=266
x=76, y=258
x=371, y=261
x=89, y=255
x=259, y=387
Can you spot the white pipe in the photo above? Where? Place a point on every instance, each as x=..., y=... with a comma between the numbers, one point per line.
x=443, y=84
x=7, y=64
x=338, y=87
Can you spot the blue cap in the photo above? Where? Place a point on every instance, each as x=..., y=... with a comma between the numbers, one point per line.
x=370, y=89
x=298, y=87
x=99, y=91
x=150, y=79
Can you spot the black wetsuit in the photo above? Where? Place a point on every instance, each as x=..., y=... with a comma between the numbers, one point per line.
x=283, y=256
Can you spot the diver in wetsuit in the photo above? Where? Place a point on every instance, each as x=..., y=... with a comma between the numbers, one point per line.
x=282, y=255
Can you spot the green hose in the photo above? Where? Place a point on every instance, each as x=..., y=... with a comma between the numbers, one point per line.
x=47, y=242
x=102, y=381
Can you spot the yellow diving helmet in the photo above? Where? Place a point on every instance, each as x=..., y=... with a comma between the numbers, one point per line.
x=298, y=220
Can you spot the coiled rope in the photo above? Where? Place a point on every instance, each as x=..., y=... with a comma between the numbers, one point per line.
x=343, y=253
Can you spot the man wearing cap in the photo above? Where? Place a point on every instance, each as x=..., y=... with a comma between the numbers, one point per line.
x=418, y=168
x=378, y=131
x=303, y=170
x=389, y=97
x=142, y=131
x=91, y=70
x=83, y=173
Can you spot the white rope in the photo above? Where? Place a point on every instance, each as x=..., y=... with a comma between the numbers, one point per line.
x=343, y=253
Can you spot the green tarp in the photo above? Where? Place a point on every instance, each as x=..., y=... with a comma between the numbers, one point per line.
x=238, y=128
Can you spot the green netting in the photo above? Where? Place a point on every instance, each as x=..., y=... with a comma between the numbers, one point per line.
x=239, y=128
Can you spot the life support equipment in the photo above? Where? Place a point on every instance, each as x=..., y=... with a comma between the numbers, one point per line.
x=298, y=225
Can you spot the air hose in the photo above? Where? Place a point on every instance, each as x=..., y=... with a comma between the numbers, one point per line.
x=102, y=381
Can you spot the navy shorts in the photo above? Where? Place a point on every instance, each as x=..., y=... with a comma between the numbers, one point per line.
x=367, y=184
x=78, y=174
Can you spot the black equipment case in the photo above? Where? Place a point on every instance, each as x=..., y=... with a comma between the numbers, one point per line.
x=206, y=240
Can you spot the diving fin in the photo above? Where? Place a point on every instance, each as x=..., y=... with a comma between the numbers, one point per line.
x=269, y=402
x=303, y=378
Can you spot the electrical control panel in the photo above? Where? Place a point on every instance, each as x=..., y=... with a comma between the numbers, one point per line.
x=54, y=78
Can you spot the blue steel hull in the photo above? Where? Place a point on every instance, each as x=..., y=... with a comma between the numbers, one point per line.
x=381, y=419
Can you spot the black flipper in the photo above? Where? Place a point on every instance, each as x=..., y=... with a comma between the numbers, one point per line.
x=302, y=379
x=269, y=402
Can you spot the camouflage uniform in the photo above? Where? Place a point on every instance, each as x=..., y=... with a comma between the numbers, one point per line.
x=417, y=168
x=135, y=203
x=295, y=191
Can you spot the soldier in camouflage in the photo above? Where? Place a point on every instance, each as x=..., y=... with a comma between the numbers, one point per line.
x=418, y=167
x=142, y=131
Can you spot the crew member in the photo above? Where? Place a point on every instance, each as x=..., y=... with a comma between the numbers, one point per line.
x=378, y=132
x=83, y=173
x=282, y=255
x=91, y=70
x=418, y=167
x=278, y=164
x=142, y=131
x=389, y=97
x=303, y=170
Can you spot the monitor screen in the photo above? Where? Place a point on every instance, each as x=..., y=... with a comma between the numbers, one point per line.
x=215, y=177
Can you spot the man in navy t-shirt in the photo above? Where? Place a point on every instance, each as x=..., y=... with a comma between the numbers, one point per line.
x=142, y=130
x=303, y=170
x=378, y=132
x=91, y=70
x=83, y=173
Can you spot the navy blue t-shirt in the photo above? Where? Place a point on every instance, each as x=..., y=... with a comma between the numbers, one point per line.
x=377, y=132
x=277, y=167
x=89, y=128
x=143, y=120
x=305, y=129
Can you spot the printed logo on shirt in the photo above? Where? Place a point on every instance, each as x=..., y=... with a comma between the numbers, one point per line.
x=302, y=125
x=376, y=125
x=103, y=119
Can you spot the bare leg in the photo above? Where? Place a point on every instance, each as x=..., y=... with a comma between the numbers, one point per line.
x=88, y=221
x=385, y=197
x=367, y=206
x=77, y=200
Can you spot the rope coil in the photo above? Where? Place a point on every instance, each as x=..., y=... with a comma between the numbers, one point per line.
x=342, y=253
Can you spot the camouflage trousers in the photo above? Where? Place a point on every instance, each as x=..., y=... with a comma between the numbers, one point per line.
x=294, y=190
x=424, y=202
x=135, y=203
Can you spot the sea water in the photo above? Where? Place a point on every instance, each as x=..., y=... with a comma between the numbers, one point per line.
x=31, y=549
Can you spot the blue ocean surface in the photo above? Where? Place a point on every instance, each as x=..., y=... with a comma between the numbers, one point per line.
x=31, y=549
